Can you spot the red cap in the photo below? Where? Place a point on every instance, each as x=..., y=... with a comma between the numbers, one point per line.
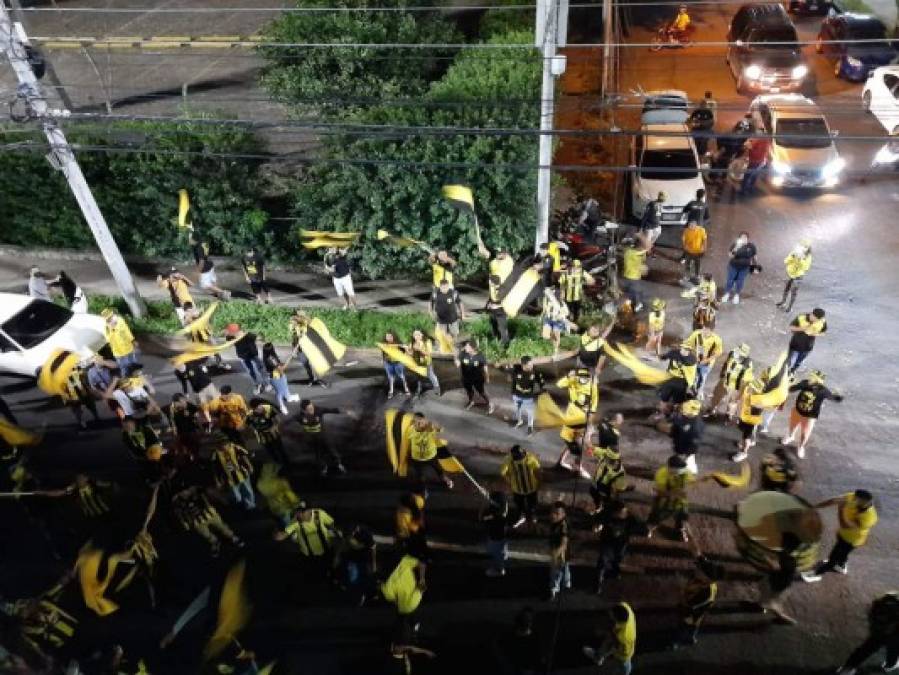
x=232, y=328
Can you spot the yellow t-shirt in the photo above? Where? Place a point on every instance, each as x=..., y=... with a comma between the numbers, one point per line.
x=626, y=636
x=441, y=272
x=706, y=347
x=632, y=264
x=232, y=411
x=797, y=266
x=422, y=444
x=863, y=521
x=120, y=338
x=401, y=587
x=656, y=321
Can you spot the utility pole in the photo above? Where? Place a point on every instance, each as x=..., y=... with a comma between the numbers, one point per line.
x=551, y=33
x=13, y=42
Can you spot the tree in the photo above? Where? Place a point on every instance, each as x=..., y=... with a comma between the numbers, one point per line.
x=338, y=81
x=495, y=89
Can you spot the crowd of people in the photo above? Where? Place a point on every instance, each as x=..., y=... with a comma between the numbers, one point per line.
x=211, y=448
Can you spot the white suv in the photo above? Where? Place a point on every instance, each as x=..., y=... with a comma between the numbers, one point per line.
x=802, y=154
x=880, y=97
x=664, y=163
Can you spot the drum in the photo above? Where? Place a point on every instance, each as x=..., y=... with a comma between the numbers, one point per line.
x=762, y=520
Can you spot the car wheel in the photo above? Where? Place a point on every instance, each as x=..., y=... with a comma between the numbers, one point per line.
x=866, y=101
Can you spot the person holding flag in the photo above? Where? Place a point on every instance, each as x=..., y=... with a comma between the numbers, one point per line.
x=423, y=449
x=735, y=374
x=393, y=366
x=499, y=269
x=571, y=284
x=178, y=287
x=442, y=266
x=313, y=347
x=681, y=380
x=422, y=348
x=446, y=309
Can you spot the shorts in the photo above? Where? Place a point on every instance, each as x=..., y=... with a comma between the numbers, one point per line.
x=258, y=287
x=451, y=329
x=557, y=326
x=208, y=279
x=673, y=391
x=746, y=430
x=343, y=285
x=394, y=369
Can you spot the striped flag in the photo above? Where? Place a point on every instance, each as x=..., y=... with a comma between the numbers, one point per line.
x=520, y=288
x=322, y=350
x=200, y=323
x=397, y=353
x=56, y=370
x=460, y=196
x=548, y=414
x=777, y=385
x=397, y=424
x=402, y=241
x=727, y=480
x=312, y=239
x=16, y=436
x=183, y=208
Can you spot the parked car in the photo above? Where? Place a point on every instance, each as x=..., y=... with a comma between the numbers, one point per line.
x=803, y=153
x=667, y=106
x=667, y=164
x=763, y=50
x=31, y=329
x=852, y=60
x=880, y=96
x=809, y=6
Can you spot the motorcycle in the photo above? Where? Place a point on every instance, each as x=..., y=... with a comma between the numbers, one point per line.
x=669, y=38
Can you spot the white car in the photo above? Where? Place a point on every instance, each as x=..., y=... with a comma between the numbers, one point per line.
x=31, y=329
x=880, y=96
x=665, y=106
x=802, y=154
x=668, y=164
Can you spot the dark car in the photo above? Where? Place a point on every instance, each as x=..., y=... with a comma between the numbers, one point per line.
x=763, y=50
x=854, y=60
x=809, y=6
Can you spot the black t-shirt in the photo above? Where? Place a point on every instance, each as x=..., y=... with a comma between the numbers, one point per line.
x=246, y=347
x=185, y=419
x=198, y=375
x=497, y=522
x=686, y=432
x=608, y=436
x=340, y=264
x=743, y=255
x=800, y=341
x=617, y=532
x=811, y=397
x=472, y=366
x=254, y=266
x=697, y=211
x=446, y=305
x=526, y=384
x=558, y=532
x=201, y=255
x=67, y=286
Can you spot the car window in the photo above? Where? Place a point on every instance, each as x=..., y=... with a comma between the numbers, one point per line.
x=779, y=34
x=669, y=164
x=36, y=322
x=890, y=81
x=800, y=132
x=871, y=30
x=6, y=345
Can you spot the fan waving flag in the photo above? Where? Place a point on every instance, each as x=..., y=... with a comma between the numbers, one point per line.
x=322, y=350
x=233, y=613
x=200, y=351
x=397, y=353
x=777, y=386
x=448, y=461
x=520, y=288
x=183, y=208
x=548, y=414
x=644, y=373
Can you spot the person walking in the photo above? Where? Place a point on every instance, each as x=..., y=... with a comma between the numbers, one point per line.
x=312, y=421
x=315, y=533
x=707, y=346
x=423, y=444
x=571, y=284
x=797, y=263
x=702, y=126
x=185, y=420
x=233, y=469
x=522, y=471
x=496, y=519
x=422, y=348
x=697, y=209
x=446, y=309
x=670, y=500
x=651, y=221
x=406, y=585
x=741, y=262
x=247, y=349
x=883, y=633
x=633, y=269
x=857, y=516
x=75, y=297
x=811, y=394
x=694, y=241
x=780, y=576
x=76, y=396
x=617, y=527
x=499, y=268
x=735, y=374
x=527, y=383
x=699, y=596
x=472, y=365
x=196, y=374
x=750, y=417
x=609, y=478
x=655, y=327
x=37, y=285
x=178, y=287
x=681, y=383
x=265, y=423
x=121, y=342
x=409, y=517
x=686, y=433
x=253, y=264
x=206, y=270
x=394, y=369
x=559, y=569
x=337, y=264
x=554, y=317
x=756, y=150
x=619, y=641
x=194, y=512
x=804, y=328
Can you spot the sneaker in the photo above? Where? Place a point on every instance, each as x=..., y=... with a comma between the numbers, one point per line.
x=739, y=456
x=800, y=453
x=553, y=594
x=494, y=573
x=293, y=398
x=490, y=408
x=437, y=391
x=519, y=423
x=684, y=536
x=226, y=366
x=268, y=388
x=341, y=469
x=763, y=430
x=887, y=667
x=638, y=307
x=470, y=405
x=389, y=395
x=841, y=569
x=786, y=440
x=322, y=384
x=584, y=473
x=284, y=410
x=518, y=523
x=563, y=465
x=736, y=299
x=591, y=654
x=810, y=577
x=725, y=298
x=257, y=389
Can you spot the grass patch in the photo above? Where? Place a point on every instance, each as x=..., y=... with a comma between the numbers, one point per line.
x=363, y=328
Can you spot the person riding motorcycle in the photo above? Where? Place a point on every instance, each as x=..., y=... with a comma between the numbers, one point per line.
x=681, y=24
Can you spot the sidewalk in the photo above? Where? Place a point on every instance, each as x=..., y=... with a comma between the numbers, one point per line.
x=309, y=288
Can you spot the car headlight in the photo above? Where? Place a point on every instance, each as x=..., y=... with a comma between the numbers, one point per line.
x=833, y=167
x=799, y=72
x=780, y=168
x=886, y=155
x=753, y=72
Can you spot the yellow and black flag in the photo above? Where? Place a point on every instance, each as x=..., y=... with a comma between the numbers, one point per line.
x=520, y=288
x=460, y=196
x=183, y=208
x=233, y=613
x=777, y=385
x=56, y=370
x=312, y=239
x=200, y=323
x=322, y=350
x=199, y=350
x=16, y=436
x=397, y=424
x=727, y=480
x=100, y=572
x=643, y=372
x=548, y=414
x=397, y=353
x=384, y=235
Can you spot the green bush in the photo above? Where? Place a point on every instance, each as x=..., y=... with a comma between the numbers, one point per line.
x=364, y=328
x=137, y=189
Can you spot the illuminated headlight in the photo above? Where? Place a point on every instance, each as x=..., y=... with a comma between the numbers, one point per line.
x=886, y=155
x=780, y=168
x=799, y=72
x=853, y=62
x=777, y=181
x=753, y=72
x=833, y=168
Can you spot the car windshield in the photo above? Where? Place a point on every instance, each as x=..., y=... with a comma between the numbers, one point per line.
x=867, y=31
x=669, y=165
x=801, y=132
x=762, y=38
x=35, y=323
